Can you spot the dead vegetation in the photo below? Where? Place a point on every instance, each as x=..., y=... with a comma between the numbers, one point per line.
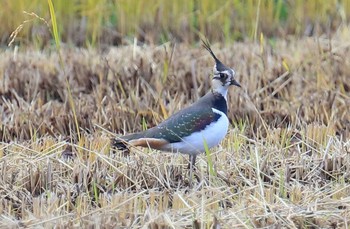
x=284, y=163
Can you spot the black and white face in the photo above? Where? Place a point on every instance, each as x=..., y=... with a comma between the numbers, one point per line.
x=225, y=75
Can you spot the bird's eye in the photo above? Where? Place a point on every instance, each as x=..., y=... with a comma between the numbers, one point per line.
x=222, y=75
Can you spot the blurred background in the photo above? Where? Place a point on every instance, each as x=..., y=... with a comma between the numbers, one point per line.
x=106, y=22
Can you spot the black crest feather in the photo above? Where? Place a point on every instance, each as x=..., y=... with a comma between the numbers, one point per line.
x=219, y=66
x=206, y=45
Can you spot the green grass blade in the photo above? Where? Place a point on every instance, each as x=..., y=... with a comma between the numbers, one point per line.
x=57, y=42
x=54, y=24
x=212, y=172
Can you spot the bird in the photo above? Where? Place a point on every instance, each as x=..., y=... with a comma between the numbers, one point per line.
x=190, y=130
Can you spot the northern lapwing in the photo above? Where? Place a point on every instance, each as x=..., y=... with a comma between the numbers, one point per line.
x=188, y=130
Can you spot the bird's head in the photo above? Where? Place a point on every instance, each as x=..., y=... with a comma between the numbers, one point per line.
x=223, y=76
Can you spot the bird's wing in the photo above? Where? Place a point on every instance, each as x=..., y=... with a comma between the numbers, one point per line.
x=183, y=123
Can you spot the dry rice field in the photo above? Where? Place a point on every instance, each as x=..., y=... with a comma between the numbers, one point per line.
x=285, y=162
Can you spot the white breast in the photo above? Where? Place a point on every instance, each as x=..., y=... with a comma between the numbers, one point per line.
x=212, y=135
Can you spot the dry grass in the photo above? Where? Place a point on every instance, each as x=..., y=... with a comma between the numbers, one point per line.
x=284, y=163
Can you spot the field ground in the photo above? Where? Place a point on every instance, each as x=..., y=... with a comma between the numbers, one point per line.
x=284, y=163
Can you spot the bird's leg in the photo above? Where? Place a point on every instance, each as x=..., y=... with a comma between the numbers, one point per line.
x=192, y=159
x=191, y=165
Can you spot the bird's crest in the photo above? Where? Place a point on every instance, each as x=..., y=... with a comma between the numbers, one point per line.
x=219, y=65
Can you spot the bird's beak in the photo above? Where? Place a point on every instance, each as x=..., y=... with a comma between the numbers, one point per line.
x=234, y=82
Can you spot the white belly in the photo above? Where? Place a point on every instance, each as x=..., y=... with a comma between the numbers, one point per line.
x=212, y=135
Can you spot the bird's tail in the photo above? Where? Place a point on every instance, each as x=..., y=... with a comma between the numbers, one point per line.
x=119, y=144
x=122, y=143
